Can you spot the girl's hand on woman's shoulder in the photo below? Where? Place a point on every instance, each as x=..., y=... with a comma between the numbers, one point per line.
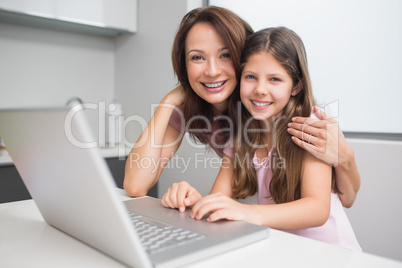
x=175, y=97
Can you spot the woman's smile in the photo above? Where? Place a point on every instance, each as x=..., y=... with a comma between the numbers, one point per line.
x=209, y=66
x=214, y=86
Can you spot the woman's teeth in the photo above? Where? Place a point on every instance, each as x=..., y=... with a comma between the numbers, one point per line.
x=212, y=85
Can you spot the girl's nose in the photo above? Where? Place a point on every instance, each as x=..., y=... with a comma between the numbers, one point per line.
x=261, y=89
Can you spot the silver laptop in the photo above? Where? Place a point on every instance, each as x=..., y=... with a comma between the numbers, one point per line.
x=53, y=150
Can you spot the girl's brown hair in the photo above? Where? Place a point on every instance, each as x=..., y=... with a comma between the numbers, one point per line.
x=287, y=158
x=233, y=31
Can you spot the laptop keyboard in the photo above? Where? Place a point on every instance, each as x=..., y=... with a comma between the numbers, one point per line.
x=157, y=237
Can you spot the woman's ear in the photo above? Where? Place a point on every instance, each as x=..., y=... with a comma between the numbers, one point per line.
x=296, y=89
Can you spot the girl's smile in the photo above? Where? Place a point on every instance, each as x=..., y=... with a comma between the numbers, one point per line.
x=260, y=104
x=265, y=86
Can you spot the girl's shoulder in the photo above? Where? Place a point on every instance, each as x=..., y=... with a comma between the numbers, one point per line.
x=229, y=148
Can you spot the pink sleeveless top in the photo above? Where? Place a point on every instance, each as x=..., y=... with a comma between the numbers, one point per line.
x=337, y=230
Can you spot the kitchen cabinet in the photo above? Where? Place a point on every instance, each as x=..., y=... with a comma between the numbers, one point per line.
x=12, y=187
x=98, y=17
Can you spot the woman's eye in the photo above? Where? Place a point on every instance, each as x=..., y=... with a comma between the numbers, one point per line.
x=226, y=55
x=196, y=57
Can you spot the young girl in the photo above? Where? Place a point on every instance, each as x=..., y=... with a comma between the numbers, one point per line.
x=296, y=191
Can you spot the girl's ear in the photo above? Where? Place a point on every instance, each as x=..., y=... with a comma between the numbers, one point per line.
x=296, y=89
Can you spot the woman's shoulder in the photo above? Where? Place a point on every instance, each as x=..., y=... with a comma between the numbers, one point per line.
x=177, y=119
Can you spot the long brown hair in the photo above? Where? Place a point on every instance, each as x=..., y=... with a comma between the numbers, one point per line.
x=287, y=158
x=233, y=31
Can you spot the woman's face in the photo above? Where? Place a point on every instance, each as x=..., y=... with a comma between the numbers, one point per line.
x=209, y=66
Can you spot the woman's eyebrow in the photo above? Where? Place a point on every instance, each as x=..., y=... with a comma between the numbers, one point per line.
x=222, y=49
x=195, y=50
x=202, y=51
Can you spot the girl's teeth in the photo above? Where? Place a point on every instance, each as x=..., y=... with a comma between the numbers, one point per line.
x=261, y=104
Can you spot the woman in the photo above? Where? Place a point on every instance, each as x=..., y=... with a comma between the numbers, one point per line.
x=206, y=59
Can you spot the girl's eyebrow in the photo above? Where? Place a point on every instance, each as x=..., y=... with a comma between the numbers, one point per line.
x=248, y=71
x=275, y=74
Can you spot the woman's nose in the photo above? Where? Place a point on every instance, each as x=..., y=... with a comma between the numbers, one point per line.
x=213, y=68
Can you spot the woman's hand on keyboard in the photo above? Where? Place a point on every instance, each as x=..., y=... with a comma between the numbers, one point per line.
x=180, y=195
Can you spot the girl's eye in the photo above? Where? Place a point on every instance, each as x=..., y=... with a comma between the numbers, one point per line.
x=250, y=76
x=275, y=79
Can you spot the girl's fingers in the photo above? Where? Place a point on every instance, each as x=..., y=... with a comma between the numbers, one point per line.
x=166, y=201
x=201, y=208
x=191, y=199
x=208, y=204
x=184, y=190
x=180, y=196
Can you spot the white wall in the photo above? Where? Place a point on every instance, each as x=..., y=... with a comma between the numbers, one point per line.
x=354, y=55
x=376, y=215
x=143, y=67
x=40, y=67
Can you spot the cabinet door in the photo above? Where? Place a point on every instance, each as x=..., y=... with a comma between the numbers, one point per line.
x=120, y=14
x=103, y=17
x=12, y=188
x=88, y=11
x=35, y=7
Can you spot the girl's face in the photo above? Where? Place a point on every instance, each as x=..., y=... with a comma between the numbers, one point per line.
x=265, y=86
x=209, y=66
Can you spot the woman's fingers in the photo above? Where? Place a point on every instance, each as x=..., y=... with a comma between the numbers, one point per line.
x=314, y=134
x=322, y=115
x=319, y=137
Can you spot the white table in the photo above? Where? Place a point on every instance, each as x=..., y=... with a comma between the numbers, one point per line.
x=27, y=241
